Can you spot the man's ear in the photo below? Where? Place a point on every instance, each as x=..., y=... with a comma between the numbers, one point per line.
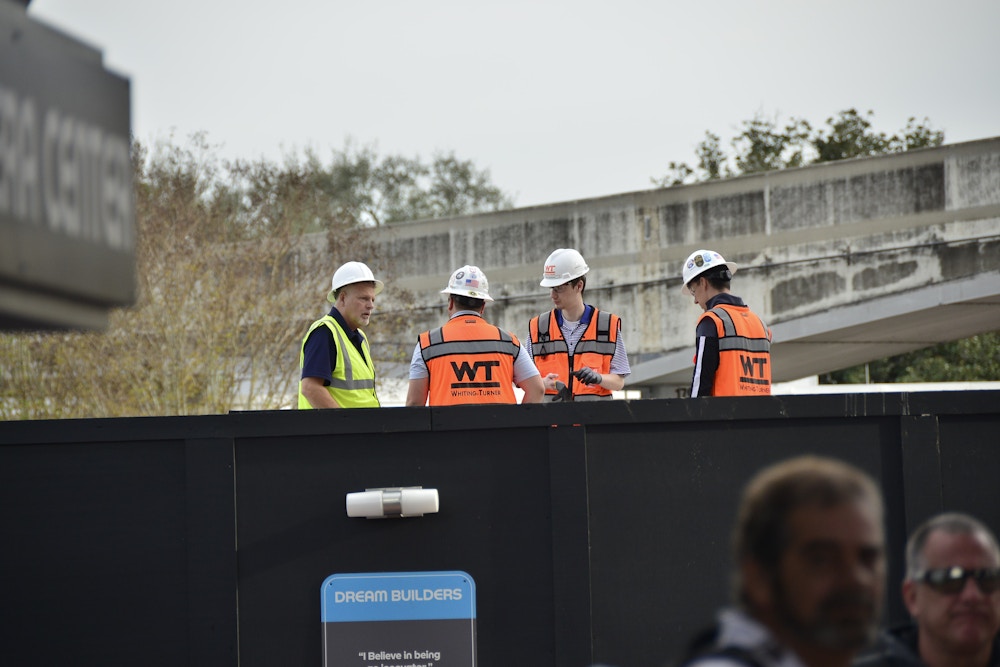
x=342, y=295
x=758, y=586
x=909, y=591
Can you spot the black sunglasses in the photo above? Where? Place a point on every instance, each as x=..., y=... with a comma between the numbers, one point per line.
x=951, y=580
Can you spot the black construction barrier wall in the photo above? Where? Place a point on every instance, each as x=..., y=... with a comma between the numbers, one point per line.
x=594, y=532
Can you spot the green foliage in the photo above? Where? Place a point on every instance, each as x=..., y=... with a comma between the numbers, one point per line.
x=711, y=158
x=975, y=359
x=761, y=147
x=367, y=189
x=764, y=145
x=230, y=273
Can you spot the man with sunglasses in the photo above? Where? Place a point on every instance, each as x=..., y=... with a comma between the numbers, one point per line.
x=952, y=591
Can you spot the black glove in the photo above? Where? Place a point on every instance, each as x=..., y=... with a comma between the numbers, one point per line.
x=587, y=375
x=564, y=393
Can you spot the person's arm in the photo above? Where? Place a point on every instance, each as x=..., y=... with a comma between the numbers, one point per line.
x=619, y=362
x=527, y=378
x=589, y=376
x=615, y=380
x=317, y=394
x=612, y=382
x=706, y=359
x=319, y=356
x=420, y=383
x=533, y=389
x=416, y=393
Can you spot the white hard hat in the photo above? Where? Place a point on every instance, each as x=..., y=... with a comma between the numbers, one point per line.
x=701, y=261
x=562, y=266
x=469, y=281
x=352, y=272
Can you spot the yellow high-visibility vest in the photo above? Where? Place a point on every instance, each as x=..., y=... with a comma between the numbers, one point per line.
x=353, y=384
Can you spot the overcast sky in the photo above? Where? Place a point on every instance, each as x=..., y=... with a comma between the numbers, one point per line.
x=559, y=100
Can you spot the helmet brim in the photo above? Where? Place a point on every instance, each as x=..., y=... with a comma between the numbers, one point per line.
x=732, y=266
x=379, y=286
x=472, y=294
x=554, y=282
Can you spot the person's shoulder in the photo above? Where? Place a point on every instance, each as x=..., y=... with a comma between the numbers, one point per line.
x=717, y=661
x=512, y=335
x=884, y=658
x=726, y=643
x=894, y=647
x=424, y=337
x=545, y=314
x=319, y=330
x=728, y=299
x=726, y=656
x=611, y=318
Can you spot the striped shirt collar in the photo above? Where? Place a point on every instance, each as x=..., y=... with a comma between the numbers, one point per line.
x=588, y=312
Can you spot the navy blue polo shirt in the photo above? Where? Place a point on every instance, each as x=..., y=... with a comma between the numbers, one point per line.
x=320, y=352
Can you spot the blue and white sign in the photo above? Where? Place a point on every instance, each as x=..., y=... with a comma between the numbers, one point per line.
x=399, y=619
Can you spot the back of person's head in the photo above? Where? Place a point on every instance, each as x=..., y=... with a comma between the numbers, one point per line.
x=953, y=523
x=719, y=278
x=769, y=498
x=468, y=303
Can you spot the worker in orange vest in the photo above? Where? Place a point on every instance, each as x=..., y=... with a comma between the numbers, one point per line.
x=733, y=347
x=469, y=360
x=578, y=349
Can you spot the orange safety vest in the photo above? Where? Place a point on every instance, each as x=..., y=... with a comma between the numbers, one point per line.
x=595, y=349
x=744, y=352
x=469, y=361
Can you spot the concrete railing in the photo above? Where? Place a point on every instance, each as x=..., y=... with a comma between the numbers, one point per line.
x=810, y=241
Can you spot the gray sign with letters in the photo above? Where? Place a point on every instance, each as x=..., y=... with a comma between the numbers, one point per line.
x=67, y=219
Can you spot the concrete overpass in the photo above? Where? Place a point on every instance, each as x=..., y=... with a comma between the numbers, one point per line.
x=848, y=262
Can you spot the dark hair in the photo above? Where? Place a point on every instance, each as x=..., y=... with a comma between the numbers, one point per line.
x=718, y=277
x=761, y=531
x=468, y=303
x=569, y=283
x=953, y=523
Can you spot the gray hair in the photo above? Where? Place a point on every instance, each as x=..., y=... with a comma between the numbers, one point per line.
x=953, y=523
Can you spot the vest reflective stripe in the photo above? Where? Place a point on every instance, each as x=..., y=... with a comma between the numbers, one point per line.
x=541, y=343
x=442, y=349
x=353, y=380
x=595, y=349
x=348, y=382
x=740, y=343
x=469, y=361
x=744, y=352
